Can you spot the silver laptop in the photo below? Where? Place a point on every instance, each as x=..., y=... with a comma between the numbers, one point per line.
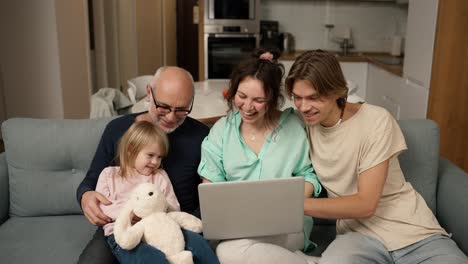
x=252, y=208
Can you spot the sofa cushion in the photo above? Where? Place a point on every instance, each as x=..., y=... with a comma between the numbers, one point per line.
x=4, y=192
x=419, y=163
x=47, y=159
x=49, y=239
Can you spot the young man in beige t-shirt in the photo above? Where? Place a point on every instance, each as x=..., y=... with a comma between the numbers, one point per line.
x=381, y=218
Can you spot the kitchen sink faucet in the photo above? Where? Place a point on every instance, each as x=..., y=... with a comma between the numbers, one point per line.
x=345, y=46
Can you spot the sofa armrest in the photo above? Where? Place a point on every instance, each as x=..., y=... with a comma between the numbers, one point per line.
x=4, y=189
x=452, y=201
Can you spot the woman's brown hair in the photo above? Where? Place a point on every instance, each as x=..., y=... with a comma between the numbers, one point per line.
x=322, y=70
x=269, y=72
x=138, y=136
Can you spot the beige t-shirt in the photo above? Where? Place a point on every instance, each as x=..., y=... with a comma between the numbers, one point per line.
x=340, y=154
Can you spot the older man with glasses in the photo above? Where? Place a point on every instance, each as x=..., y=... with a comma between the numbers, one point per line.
x=163, y=116
x=171, y=94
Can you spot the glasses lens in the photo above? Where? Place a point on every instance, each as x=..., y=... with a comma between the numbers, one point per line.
x=181, y=113
x=163, y=109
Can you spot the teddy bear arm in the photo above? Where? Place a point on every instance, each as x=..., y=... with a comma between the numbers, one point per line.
x=130, y=237
x=123, y=223
x=187, y=221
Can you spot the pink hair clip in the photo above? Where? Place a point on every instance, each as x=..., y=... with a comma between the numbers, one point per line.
x=267, y=56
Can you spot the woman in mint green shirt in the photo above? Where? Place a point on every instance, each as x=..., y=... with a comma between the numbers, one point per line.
x=258, y=141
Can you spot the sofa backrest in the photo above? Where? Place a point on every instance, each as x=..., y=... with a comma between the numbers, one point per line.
x=47, y=160
x=420, y=162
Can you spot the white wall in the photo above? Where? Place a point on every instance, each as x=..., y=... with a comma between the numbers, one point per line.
x=73, y=40
x=372, y=23
x=29, y=59
x=105, y=67
x=127, y=35
x=44, y=58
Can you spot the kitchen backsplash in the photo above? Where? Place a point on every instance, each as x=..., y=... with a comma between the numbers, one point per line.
x=372, y=24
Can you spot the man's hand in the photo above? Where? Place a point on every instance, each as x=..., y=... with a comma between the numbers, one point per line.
x=90, y=204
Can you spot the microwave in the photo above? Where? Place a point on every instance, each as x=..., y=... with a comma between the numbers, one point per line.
x=240, y=16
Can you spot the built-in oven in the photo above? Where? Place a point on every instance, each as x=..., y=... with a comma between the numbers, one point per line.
x=226, y=51
x=233, y=13
x=231, y=33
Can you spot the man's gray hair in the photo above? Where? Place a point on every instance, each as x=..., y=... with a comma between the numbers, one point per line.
x=161, y=69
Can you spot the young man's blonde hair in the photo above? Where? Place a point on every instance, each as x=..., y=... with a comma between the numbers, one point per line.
x=138, y=136
x=322, y=70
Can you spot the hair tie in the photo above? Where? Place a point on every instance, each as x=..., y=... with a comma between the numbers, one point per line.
x=267, y=56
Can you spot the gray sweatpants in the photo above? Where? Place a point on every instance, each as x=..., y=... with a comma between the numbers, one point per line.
x=358, y=248
x=262, y=250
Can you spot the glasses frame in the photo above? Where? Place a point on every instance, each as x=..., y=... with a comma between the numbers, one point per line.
x=184, y=112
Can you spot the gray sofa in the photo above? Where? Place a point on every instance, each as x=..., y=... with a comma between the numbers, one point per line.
x=45, y=160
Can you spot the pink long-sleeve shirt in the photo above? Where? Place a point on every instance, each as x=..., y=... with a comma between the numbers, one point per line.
x=117, y=189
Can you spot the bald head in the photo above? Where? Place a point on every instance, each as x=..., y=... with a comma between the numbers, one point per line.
x=171, y=87
x=173, y=78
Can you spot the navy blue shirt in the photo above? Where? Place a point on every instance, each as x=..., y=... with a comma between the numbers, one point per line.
x=180, y=164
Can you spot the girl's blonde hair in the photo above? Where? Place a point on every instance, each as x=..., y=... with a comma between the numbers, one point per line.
x=138, y=136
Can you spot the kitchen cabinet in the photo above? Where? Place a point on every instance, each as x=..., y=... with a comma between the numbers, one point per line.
x=383, y=89
x=407, y=97
x=403, y=98
x=413, y=100
x=419, y=44
x=356, y=72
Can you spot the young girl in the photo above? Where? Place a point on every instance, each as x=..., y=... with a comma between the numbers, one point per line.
x=140, y=152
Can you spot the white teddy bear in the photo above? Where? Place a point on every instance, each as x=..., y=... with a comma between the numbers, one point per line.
x=157, y=228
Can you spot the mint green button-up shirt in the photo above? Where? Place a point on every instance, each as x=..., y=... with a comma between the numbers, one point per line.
x=285, y=153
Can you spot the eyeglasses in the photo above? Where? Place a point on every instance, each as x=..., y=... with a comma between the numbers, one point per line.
x=165, y=109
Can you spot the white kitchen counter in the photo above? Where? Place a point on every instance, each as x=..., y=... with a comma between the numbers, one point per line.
x=209, y=104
